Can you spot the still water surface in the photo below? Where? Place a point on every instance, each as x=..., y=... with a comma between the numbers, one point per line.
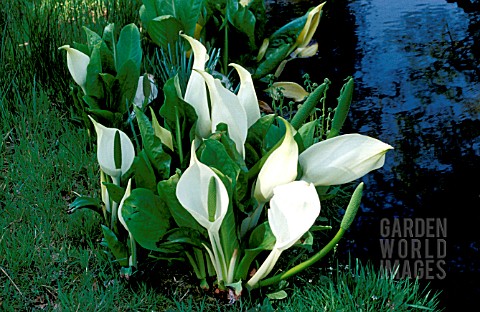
x=416, y=65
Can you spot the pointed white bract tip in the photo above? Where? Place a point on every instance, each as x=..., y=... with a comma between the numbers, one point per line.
x=77, y=63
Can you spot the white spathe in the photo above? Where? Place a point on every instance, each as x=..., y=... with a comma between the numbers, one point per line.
x=106, y=150
x=193, y=191
x=77, y=63
x=127, y=193
x=279, y=168
x=342, y=159
x=294, y=208
x=247, y=96
x=140, y=95
x=226, y=108
x=196, y=92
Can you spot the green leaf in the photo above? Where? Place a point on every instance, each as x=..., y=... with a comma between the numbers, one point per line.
x=107, y=79
x=117, y=248
x=186, y=12
x=108, y=37
x=242, y=19
x=144, y=174
x=81, y=47
x=128, y=48
x=184, y=236
x=272, y=141
x=153, y=145
x=273, y=57
x=164, y=31
x=215, y=155
x=254, y=143
x=94, y=85
x=83, y=202
x=149, y=10
x=174, y=107
x=114, y=191
x=92, y=38
x=147, y=217
x=282, y=43
x=127, y=78
x=277, y=295
x=166, y=190
x=261, y=239
x=307, y=133
x=104, y=116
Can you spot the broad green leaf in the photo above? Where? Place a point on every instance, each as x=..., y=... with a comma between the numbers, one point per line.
x=114, y=191
x=92, y=38
x=144, y=174
x=224, y=156
x=166, y=190
x=117, y=248
x=109, y=37
x=184, y=236
x=242, y=19
x=94, y=85
x=307, y=133
x=281, y=43
x=149, y=10
x=215, y=155
x=127, y=78
x=147, y=217
x=107, y=79
x=186, y=12
x=164, y=30
x=128, y=49
x=261, y=238
x=256, y=136
x=81, y=47
x=153, y=145
x=105, y=115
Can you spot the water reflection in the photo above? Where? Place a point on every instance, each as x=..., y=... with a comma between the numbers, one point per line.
x=417, y=74
x=416, y=65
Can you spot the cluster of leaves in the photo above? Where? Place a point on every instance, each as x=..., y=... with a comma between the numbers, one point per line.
x=206, y=166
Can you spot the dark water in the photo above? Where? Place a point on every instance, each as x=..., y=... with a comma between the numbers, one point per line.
x=416, y=65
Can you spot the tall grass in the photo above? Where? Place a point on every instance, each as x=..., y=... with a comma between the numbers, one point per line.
x=32, y=31
x=53, y=261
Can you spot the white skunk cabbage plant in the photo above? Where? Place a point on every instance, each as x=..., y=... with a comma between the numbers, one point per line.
x=77, y=63
x=237, y=111
x=294, y=208
x=115, y=151
x=204, y=196
x=212, y=180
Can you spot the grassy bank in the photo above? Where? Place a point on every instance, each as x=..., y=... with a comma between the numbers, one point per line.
x=52, y=261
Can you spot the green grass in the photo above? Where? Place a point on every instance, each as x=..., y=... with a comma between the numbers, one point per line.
x=52, y=261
